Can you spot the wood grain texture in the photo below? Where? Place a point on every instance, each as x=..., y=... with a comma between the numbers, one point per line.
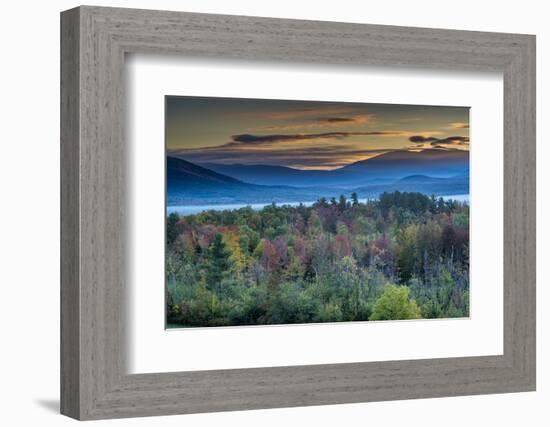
x=94, y=238
x=70, y=297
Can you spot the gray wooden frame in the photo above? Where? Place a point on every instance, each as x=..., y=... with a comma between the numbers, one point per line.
x=94, y=382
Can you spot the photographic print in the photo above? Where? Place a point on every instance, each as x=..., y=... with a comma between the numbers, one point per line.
x=293, y=212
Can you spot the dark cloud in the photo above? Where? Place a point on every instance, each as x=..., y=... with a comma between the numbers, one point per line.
x=458, y=140
x=336, y=120
x=421, y=139
x=247, y=138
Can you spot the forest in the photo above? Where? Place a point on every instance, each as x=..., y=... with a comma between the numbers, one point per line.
x=401, y=256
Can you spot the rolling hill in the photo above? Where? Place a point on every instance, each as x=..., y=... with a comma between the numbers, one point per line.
x=459, y=184
x=187, y=183
x=385, y=168
x=181, y=172
x=190, y=184
x=270, y=174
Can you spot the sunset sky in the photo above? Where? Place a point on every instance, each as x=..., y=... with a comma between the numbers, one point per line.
x=304, y=134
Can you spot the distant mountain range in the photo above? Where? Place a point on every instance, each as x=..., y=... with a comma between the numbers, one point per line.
x=190, y=184
x=384, y=168
x=433, y=171
x=459, y=184
x=181, y=174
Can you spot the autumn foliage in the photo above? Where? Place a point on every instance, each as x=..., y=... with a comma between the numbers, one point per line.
x=403, y=256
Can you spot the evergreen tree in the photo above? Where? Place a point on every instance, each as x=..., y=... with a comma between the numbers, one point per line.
x=342, y=203
x=219, y=261
x=171, y=228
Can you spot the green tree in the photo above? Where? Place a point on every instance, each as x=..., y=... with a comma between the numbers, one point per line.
x=322, y=202
x=314, y=226
x=219, y=261
x=329, y=313
x=171, y=228
x=394, y=304
x=342, y=203
x=406, y=253
x=354, y=199
x=350, y=281
x=445, y=291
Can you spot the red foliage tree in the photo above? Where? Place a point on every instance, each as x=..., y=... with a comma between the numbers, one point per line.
x=342, y=246
x=270, y=257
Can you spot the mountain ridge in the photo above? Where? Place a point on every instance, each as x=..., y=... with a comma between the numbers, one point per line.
x=188, y=183
x=386, y=167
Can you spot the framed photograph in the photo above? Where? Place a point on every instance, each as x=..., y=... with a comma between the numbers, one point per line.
x=328, y=212
x=262, y=213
